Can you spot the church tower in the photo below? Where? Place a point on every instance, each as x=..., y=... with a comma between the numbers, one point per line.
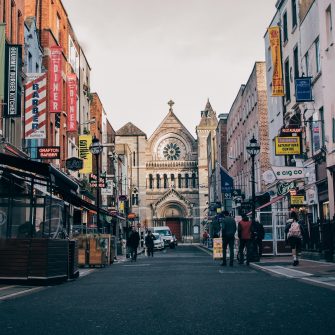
x=207, y=126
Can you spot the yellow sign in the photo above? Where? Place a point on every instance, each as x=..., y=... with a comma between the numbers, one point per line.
x=297, y=199
x=277, y=75
x=85, y=142
x=288, y=145
x=217, y=248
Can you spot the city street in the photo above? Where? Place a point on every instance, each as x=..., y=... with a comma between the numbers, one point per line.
x=181, y=291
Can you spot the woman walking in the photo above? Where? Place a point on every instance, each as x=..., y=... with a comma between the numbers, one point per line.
x=294, y=236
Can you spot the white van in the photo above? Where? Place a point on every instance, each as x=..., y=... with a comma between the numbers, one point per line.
x=165, y=232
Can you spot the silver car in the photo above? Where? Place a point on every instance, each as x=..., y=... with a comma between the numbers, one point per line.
x=158, y=242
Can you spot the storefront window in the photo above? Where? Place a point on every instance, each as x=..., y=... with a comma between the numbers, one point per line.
x=325, y=210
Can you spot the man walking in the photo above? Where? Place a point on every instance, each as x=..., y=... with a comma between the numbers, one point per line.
x=149, y=243
x=133, y=242
x=244, y=234
x=228, y=230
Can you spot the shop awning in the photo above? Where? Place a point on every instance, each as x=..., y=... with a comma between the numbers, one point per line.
x=272, y=201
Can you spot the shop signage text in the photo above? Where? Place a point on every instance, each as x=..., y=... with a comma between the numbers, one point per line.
x=287, y=172
x=297, y=200
x=287, y=145
x=56, y=80
x=48, y=153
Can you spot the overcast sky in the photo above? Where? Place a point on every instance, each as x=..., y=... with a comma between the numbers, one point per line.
x=145, y=52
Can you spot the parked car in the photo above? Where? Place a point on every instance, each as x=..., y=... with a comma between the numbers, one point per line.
x=158, y=242
x=166, y=234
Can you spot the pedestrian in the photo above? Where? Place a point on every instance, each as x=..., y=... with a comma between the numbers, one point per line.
x=294, y=236
x=244, y=234
x=228, y=230
x=149, y=243
x=205, y=237
x=258, y=234
x=133, y=242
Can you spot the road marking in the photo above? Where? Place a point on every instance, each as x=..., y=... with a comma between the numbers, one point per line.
x=204, y=250
x=234, y=271
x=6, y=287
x=281, y=270
x=20, y=293
x=85, y=272
x=320, y=281
x=136, y=265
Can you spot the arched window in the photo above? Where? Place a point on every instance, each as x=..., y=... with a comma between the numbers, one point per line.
x=151, y=181
x=158, y=181
x=134, y=158
x=186, y=180
x=194, y=183
x=165, y=181
x=179, y=180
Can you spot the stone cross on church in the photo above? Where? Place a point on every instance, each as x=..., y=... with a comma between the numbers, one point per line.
x=171, y=103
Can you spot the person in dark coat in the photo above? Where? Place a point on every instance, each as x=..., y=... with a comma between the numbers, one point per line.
x=149, y=243
x=258, y=234
x=294, y=234
x=228, y=230
x=133, y=242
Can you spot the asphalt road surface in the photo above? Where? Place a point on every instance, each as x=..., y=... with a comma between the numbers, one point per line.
x=181, y=291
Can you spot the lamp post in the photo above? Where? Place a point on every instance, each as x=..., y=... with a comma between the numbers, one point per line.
x=96, y=149
x=253, y=149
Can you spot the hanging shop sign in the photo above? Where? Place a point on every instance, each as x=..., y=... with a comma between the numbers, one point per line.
x=277, y=75
x=303, y=89
x=13, y=89
x=269, y=177
x=55, y=80
x=74, y=164
x=227, y=184
x=93, y=180
x=288, y=172
x=48, y=153
x=284, y=188
x=71, y=102
x=291, y=130
x=297, y=200
x=85, y=142
x=287, y=145
x=35, y=106
x=108, y=190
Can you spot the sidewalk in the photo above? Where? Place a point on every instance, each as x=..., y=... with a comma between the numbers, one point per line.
x=319, y=273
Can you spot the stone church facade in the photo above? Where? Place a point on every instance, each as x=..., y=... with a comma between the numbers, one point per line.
x=169, y=173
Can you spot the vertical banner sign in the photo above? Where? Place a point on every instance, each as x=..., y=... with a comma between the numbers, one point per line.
x=12, y=99
x=2, y=59
x=71, y=102
x=277, y=75
x=85, y=142
x=55, y=80
x=35, y=106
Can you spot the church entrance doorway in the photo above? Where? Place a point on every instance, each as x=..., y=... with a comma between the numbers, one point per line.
x=175, y=226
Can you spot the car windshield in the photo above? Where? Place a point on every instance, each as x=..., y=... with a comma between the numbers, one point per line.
x=164, y=232
x=156, y=236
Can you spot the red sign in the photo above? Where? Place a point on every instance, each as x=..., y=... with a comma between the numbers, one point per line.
x=55, y=80
x=48, y=153
x=71, y=102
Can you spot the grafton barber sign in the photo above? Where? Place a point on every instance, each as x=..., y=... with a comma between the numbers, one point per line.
x=48, y=153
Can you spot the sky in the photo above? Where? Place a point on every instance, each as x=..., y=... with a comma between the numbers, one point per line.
x=145, y=52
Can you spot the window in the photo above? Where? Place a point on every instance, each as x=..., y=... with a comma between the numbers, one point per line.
x=296, y=62
x=134, y=198
x=30, y=63
x=329, y=19
x=179, y=180
x=186, y=180
x=151, y=182
x=333, y=129
x=287, y=80
x=165, y=181
x=294, y=13
x=194, y=180
x=322, y=126
x=134, y=158
x=285, y=36
x=58, y=27
x=307, y=63
x=12, y=131
x=158, y=181
x=317, y=55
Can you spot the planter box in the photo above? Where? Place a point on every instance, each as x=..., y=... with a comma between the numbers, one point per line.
x=37, y=259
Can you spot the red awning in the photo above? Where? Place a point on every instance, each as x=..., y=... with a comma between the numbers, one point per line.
x=272, y=201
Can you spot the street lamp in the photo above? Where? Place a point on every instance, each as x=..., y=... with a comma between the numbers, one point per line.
x=96, y=149
x=253, y=149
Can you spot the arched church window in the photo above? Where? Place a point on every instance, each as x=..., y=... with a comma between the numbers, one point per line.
x=134, y=158
x=179, y=180
x=194, y=182
x=165, y=181
x=186, y=180
x=158, y=181
x=151, y=181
